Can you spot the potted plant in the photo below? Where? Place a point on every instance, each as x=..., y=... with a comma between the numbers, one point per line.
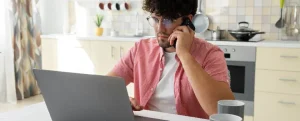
x=98, y=22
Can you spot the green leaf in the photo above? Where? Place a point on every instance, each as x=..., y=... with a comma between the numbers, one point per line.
x=99, y=19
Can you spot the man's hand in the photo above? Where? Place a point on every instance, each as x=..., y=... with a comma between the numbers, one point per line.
x=185, y=37
x=135, y=106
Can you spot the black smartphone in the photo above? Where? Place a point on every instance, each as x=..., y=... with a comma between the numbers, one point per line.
x=185, y=22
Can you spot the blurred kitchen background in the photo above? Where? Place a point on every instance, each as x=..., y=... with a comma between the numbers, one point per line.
x=77, y=16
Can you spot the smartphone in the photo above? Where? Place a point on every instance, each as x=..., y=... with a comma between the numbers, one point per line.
x=185, y=22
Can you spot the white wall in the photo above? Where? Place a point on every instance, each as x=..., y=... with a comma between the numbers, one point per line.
x=125, y=22
x=52, y=15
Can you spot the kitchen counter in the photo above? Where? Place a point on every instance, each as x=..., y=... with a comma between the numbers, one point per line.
x=39, y=112
x=102, y=38
x=268, y=43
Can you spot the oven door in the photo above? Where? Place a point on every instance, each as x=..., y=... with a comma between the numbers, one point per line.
x=242, y=83
x=242, y=75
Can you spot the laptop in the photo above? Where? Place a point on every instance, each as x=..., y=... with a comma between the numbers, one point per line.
x=83, y=97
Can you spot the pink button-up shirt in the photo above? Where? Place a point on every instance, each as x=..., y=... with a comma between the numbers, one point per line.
x=144, y=64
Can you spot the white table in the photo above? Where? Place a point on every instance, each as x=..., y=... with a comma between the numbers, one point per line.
x=39, y=112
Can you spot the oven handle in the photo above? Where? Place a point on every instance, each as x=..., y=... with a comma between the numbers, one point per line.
x=288, y=80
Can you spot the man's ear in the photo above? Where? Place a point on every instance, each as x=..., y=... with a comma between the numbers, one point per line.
x=190, y=16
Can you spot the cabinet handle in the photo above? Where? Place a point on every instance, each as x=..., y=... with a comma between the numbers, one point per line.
x=287, y=103
x=112, y=51
x=121, y=52
x=288, y=80
x=286, y=56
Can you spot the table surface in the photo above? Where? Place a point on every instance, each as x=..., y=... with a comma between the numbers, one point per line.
x=39, y=112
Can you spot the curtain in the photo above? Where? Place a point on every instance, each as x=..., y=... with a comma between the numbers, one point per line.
x=7, y=76
x=26, y=47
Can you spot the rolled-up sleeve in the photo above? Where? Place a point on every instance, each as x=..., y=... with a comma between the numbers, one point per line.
x=124, y=67
x=216, y=66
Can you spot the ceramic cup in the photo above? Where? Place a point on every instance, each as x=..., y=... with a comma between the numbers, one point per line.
x=224, y=117
x=115, y=6
x=101, y=5
x=108, y=6
x=234, y=107
x=124, y=6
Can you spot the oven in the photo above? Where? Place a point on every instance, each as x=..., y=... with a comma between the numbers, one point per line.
x=241, y=67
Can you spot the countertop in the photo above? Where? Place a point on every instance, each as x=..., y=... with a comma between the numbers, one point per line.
x=39, y=112
x=102, y=38
x=265, y=43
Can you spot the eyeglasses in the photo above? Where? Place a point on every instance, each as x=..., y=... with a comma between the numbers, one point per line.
x=166, y=22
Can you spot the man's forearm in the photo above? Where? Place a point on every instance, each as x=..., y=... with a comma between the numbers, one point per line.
x=207, y=90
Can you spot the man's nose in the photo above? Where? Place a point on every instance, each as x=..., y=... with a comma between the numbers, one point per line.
x=161, y=27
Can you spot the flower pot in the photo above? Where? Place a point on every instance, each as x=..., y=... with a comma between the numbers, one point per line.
x=99, y=31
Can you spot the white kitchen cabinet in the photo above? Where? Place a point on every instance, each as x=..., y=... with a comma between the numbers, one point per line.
x=248, y=118
x=285, y=59
x=278, y=81
x=276, y=107
x=74, y=56
x=277, y=87
x=49, y=54
x=2, y=77
x=67, y=55
x=84, y=56
x=105, y=54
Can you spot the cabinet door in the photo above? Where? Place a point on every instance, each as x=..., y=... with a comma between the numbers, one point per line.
x=74, y=56
x=49, y=54
x=276, y=107
x=277, y=81
x=283, y=59
x=2, y=82
x=124, y=47
x=104, y=56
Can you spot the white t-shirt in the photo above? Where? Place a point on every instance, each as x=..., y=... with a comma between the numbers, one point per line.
x=163, y=99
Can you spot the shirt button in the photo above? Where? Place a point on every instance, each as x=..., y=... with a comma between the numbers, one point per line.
x=151, y=89
x=160, y=69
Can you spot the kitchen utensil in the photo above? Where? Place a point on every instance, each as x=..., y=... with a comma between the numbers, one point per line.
x=200, y=21
x=280, y=22
x=124, y=5
x=109, y=5
x=114, y=33
x=244, y=33
x=218, y=34
x=115, y=6
x=292, y=19
x=101, y=5
x=234, y=107
x=224, y=117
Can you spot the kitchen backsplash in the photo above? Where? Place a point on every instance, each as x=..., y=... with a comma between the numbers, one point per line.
x=261, y=14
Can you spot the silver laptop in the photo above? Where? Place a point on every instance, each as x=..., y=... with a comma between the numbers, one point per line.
x=83, y=97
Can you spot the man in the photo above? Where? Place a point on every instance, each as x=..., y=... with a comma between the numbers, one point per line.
x=188, y=80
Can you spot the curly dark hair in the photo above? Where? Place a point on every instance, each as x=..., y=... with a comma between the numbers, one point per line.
x=171, y=9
